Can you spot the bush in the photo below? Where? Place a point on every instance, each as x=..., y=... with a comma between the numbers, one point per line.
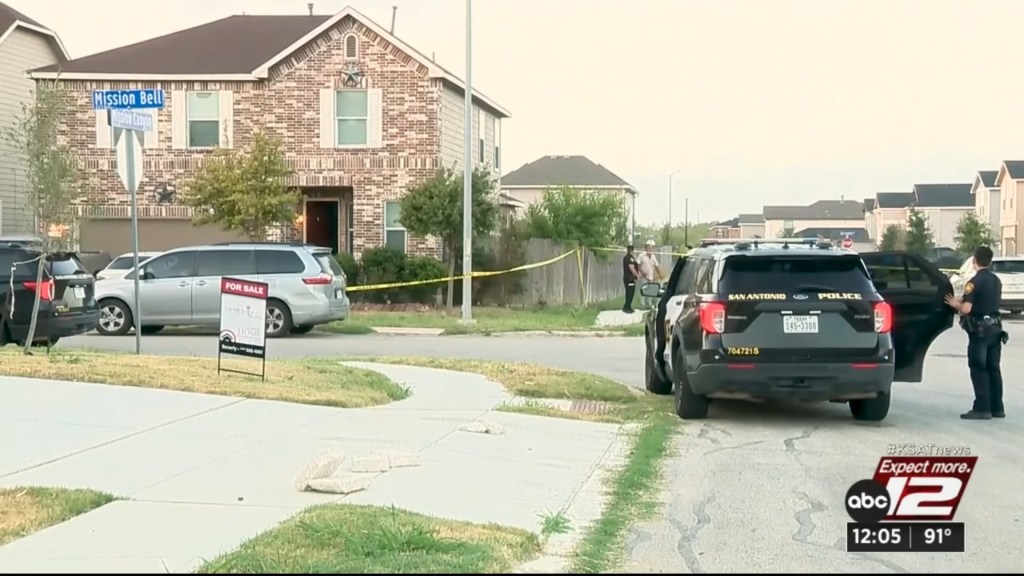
x=386, y=265
x=350, y=266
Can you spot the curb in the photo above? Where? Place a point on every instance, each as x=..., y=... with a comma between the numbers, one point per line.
x=409, y=331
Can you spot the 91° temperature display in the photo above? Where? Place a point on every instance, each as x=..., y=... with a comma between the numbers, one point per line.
x=905, y=537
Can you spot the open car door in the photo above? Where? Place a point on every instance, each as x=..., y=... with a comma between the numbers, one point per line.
x=916, y=290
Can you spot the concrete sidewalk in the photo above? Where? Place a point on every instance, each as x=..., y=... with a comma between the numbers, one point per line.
x=203, y=473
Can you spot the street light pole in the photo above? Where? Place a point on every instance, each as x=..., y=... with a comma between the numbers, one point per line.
x=467, y=178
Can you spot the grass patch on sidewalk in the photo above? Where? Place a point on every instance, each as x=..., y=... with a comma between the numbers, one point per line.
x=348, y=539
x=26, y=510
x=315, y=381
x=489, y=320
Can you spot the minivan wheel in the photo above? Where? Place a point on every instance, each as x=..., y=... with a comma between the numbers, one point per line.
x=871, y=409
x=115, y=318
x=279, y=319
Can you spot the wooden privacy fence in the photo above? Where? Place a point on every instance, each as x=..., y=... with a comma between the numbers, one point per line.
x=583, y=278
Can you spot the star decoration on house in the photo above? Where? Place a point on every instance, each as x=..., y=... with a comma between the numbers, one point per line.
x=164, y=194
x=352, y=76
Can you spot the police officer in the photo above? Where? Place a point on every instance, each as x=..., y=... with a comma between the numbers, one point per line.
x=979, y=317
x=629, y=276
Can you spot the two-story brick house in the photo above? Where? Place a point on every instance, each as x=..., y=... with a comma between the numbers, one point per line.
x=363, y=117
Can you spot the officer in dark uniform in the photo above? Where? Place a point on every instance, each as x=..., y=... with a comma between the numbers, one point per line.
x=979, y=317
x=629, y=276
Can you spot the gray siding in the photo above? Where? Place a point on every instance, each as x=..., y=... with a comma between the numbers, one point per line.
x=452, y=135
x=22, y=50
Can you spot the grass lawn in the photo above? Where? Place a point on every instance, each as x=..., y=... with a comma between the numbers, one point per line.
x=24, y=511
x=489, y=320
x=310, y=381
x=348, y=539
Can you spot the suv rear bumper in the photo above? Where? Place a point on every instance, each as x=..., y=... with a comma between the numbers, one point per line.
x=61, y=326
x=804, y=381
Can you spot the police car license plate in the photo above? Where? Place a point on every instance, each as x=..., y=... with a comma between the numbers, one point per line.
x=800, y=324
x=80, y=292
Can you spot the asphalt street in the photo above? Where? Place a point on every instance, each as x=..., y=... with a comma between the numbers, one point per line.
x=759, y=487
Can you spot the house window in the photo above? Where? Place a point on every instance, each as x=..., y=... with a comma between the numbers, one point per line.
x=787, y=225
x=351, y=115
x=482, y=132
x=203, y=119
x=497, y=144
x=394, y=232
x=351, y=47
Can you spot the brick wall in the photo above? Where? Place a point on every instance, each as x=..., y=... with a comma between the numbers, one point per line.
x=288, y=105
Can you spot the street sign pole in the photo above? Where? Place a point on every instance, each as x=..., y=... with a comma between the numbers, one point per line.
x=133, y=192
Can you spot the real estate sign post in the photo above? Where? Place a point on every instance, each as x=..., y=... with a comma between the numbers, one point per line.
x=243, y=322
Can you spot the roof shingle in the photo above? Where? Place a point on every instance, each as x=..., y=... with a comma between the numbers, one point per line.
x=563, y=171
x=988, y=178
x=895, y=199
x=751, y=218
x=1015, y=169
x=8, y=16
x=820, y=210
x=943, y=195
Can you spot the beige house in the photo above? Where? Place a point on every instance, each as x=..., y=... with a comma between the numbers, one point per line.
x=528, y=182
x=943, y=206
x=751, y=225
x=362, y=115
x=986, y=200
x=1010, y=181
x=24, y=44
x=890, y=209
x=839, y=214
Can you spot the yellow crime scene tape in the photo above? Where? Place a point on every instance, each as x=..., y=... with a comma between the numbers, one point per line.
x=483, y=274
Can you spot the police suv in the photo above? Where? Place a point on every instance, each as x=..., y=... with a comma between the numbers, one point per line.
x=797, y=319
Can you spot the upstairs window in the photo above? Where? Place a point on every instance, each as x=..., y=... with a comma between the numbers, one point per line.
x=351, y=47
x=203, y=123
x=351, y=115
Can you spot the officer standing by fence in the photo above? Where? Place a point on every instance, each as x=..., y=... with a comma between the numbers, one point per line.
x=980, y=318
x=629, y=276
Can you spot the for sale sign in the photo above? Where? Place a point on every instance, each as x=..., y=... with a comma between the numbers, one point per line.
x=243, y=318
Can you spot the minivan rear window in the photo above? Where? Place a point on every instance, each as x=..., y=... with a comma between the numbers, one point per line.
x=783, y=274
x=1008, y=266
x=328, y=264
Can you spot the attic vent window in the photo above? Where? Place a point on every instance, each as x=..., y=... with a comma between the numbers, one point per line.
x=351, y=47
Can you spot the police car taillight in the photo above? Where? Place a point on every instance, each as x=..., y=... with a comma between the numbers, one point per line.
x=883, y=317
x=712, y=317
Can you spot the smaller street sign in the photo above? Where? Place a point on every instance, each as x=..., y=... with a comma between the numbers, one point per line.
x=143, y=98
x=128, y=147
x=131, y=120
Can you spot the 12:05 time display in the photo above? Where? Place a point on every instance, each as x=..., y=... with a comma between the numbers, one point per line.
x=877, y=537
x=905, y=537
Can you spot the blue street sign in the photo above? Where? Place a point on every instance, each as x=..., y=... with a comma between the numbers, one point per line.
x=131, y=120
x=123, y=99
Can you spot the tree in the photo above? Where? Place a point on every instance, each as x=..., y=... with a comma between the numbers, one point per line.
x=972, y=232
x=918, y=239
x=244, y=190
x=435, y=208
x=892, y=238
x=786, y=233
x=578, y=217
x=51, y=175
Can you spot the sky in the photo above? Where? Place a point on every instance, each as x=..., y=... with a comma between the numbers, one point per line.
x=747, y=102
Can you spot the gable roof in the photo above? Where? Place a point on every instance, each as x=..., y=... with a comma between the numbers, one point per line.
x=11, y=19
x=895, y=199
x=869, y=204
x=1012, y=168
x=236, y=48
x=820, y=210
x=987, y=178
x=943, y=195
x=835, y=234
x=563, y=171
x=751, y=219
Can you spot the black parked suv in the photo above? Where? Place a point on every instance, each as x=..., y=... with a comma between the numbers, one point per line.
x=792, y=319
x=67, y=305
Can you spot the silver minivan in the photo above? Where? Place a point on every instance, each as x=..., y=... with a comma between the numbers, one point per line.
x=181, y=287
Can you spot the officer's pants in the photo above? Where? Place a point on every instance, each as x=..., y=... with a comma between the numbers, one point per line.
x=630, y=291
x=983, y=357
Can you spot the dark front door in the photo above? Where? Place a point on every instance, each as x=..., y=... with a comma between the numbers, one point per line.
x=322, y=225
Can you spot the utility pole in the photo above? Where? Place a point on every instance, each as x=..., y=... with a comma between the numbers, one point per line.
x=467, y=178
x=670, y=176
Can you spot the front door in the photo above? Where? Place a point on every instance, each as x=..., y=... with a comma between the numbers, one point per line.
x=211, y=266
x=323, y=223
x=165, y=289
x=916, y=290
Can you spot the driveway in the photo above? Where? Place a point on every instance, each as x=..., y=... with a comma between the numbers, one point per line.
x=761, y=486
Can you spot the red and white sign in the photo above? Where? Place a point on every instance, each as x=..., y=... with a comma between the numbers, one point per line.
x=924, y=488
x=243, y=317
x=847, y=242
x=243, y=288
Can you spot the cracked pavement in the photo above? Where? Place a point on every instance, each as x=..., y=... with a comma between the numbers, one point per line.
x=758, y=487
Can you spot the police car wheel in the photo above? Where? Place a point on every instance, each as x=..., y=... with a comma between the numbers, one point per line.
x=652, y=379
x=689, y=406
x=871, y=409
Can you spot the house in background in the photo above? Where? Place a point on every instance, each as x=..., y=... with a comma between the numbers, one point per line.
x=943, y=205
x=890, y=210
x=24, y=44
x=751, y=225
x=869, y=217
x=986, y=199
x=528, y=182
x=363, y=117
x=726, y=229
x=1010, y=181
x=844, y=214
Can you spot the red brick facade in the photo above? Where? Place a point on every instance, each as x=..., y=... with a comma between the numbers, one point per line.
x=288, y=104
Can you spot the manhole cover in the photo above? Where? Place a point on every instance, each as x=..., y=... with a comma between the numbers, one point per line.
x=590, y=407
